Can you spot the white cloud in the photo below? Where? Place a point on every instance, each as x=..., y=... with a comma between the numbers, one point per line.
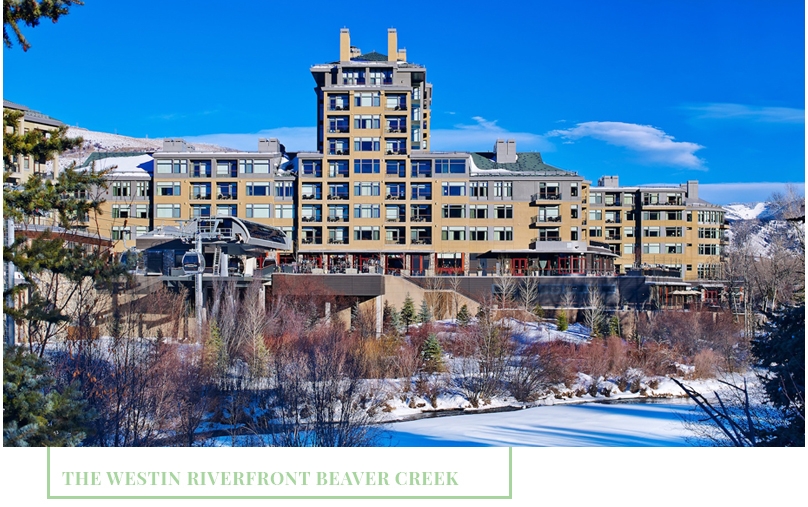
x=721, y=110
x=726, y=193
x=482, y=135
x=652, y=143
x=293, y=138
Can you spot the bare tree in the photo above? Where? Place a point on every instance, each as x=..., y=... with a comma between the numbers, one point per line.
x=529, y=294
x=595, y=311
x=568, y=303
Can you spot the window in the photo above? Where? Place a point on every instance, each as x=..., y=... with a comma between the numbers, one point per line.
x=652, y=215
x=121, y=189
x=650, y=198
x=365, y=188
x=337, y=168
x=454, y=211
x=503, y=211
x=142, y=211
x=595, y=198
x=367, y=121
x=168, y=211
x=422, y=191
x=395, y=190
x=26, y=163
x=258, y=211
x=503, y=233
x=140, y=230
x=651, y=248
x=503, y=189
x=628, y=232
x=595, y=214
x=396, y=123
x=120, y=211
x=261, y=166
x=226, y=168
x=708, y=249
x=673, y=248
x=650, y=232
x=120, y=232
x=200, y=210
x=284, y=211
x=311, y=190
x=478, y=211
x=709, y=270
x=367, y=144
x=367, y=99
x=396, y=102
x=366, y=233
x=707, y=233
x=454, y=188
x=142, y=189
x=478, y=233
x=574, y=189
x=259, y=188
x=338, y=103
x=227, y=190
x=353, y=77
x=396, y=168
x=628, y=248
x=201, y=169
x=673, y=215
x=595, y=232
x=367, y=211
x=284, y=189
x=338, y=147
x=674, y=232
x=478, y=189
x=172, y=166
x=227, y=210
x=450, y=166
x=453, y=233
x=367, y=166
x=710, y=217
x=245, y=166
x=381, y=77
x=167, y=188
x=573, y=234
x=421, y=168
x=312, y=168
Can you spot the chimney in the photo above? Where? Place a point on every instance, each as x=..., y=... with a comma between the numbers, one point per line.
x=608, y=181
x=505, y=151
x=269, y=146
x=402, y=55
x=174, y=145
x=392, y=45
x=692, y=189
x=344, y=45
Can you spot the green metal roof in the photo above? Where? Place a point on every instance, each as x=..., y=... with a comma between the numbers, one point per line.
x=373, y=56
x=525, y=162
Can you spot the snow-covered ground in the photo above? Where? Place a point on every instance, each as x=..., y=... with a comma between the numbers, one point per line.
x=658, y=424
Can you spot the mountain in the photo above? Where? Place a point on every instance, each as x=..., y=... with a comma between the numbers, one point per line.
x=749, y=211
x=104, y=142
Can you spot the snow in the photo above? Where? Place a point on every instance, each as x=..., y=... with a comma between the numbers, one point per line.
x=105, y=142
x=749, y=211
x=588, y=425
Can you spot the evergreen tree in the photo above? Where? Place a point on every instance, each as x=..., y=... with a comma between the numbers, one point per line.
x=424, y=315
x=30, y=12
x=561, y=321
x=408, y=311
x=35, y=412
x=780, y=352
x=614, y=326
x=463, y=316
x=432, y=354
x=391, y=319
x=538, y=312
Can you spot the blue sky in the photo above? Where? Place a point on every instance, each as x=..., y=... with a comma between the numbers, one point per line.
x=655, y=92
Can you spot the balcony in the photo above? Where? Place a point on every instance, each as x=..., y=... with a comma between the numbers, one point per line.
x=339, y=107
x=309, y=197
x=613, y=237
x=312, y=240
x=337, y=151
x=545, y=196
x=200, y=197
x=312, y=219
x=227, y=197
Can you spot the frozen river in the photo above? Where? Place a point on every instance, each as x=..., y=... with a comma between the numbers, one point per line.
x=637, y=424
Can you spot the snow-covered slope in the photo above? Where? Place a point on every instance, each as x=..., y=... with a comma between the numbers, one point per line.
x=748, y=211
x=105, y=142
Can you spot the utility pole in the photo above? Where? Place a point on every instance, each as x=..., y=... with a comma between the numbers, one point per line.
x=198, y=285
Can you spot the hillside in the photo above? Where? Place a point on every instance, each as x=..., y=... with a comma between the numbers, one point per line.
x=105, y=142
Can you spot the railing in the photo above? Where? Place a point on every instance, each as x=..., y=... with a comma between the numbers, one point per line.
x=346, y=107
x=225, y=197
x=545, y=197
x=311, y=196
x=312, y=219
x=392, y=197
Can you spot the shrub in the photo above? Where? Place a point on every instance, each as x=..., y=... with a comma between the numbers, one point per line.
x=561, y=321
